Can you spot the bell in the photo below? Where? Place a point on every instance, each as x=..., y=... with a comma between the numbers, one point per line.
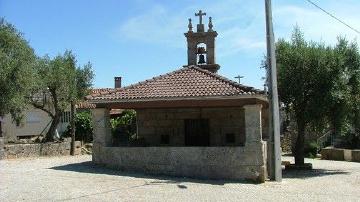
x=201, y=59
x=201, y=50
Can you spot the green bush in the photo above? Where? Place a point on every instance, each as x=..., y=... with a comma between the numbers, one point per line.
x=127, y=119
x=124, y=128
x=350, y=140
x=83, y=127
x=311, y=149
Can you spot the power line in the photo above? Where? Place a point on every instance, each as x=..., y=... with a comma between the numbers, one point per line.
x=333, y=16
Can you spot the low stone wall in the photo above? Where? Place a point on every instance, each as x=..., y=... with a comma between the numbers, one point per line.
x=340, y=154
x=2, y=148
x=231, y=163
x=39, y=149
x=356, y=155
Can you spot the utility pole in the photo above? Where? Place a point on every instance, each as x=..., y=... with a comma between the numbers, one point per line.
x=239, y=77
x=274, y=122
x=72, y=122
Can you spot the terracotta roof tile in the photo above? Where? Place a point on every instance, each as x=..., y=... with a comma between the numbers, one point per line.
x=190, y=81
x=85, y=105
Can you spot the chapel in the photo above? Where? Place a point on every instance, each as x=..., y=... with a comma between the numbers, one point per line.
x=193, y=122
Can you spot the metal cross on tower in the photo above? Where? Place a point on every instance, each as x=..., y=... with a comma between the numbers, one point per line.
x=200, y=14
x=239, y=77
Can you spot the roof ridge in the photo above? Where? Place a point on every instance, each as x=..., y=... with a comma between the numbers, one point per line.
x=154, y=78
x=233, y=83
x=100, y=88
x=182, y=84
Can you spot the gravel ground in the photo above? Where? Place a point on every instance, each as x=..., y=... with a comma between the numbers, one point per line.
x=76, y=179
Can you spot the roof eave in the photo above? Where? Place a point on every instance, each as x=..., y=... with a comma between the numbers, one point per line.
x=261, y=97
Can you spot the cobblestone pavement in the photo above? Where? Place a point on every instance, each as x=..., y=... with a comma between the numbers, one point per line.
x=76, y=179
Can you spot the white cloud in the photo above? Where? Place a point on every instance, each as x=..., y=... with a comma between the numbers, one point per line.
x=158, y=25
x=315, y=24
x=235, y=24
x=235, y=40
x=241, y=24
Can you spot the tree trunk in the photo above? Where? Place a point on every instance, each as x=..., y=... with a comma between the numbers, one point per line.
x=300, y=142
x=0, y=126
x=49, y=137
x=72, y=148
x=335, y=123
x=357, y=120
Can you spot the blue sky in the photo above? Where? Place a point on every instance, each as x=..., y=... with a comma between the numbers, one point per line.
x=140, y=39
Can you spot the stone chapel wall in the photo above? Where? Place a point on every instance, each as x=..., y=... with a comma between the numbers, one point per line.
x=214, y=162
x=152, y=123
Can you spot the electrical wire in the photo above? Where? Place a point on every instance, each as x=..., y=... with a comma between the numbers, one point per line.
x=333, y=16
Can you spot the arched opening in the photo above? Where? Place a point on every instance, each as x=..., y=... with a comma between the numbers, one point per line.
x=201, y=54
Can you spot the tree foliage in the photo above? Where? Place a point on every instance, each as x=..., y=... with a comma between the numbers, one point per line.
x=318, y=84
x=83, y=127
x=61, y=82
x=346, y=89
x=124, y=128
x=47, y=84
x=127, y=120
x=16, y=70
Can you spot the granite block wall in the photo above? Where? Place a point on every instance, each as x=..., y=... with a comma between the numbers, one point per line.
x=224, y=163
x=152, y=123
x=39, y=149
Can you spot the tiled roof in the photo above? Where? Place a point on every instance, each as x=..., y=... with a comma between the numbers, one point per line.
x=116, y=111
x=100, y=90
x=85, y=105
x=187, y=82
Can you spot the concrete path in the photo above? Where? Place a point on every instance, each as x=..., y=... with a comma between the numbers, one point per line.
x=77, y=179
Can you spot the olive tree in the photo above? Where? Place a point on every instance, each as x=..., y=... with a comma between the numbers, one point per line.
x=61, y=82
x=17, y=77
x=319, y=85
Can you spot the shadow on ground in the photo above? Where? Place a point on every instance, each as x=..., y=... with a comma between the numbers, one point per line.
x=89, y=167
x=312, y=173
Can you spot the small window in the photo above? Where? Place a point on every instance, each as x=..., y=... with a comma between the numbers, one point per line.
x=66, y=117
x=33, y=117
x=164, y=139
x=230, y=138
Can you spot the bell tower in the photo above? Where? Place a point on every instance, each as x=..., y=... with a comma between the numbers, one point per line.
x=201, y=45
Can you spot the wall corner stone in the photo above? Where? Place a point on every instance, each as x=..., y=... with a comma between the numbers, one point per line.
x=253, y=128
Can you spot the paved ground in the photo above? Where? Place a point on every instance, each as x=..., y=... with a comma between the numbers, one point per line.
x=76, y=179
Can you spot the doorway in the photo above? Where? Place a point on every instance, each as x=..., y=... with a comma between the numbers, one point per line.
x=197, y=132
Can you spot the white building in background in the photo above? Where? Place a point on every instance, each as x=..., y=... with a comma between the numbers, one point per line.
x=35, y=122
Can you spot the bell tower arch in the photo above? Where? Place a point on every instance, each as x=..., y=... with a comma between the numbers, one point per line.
x=201, y=44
